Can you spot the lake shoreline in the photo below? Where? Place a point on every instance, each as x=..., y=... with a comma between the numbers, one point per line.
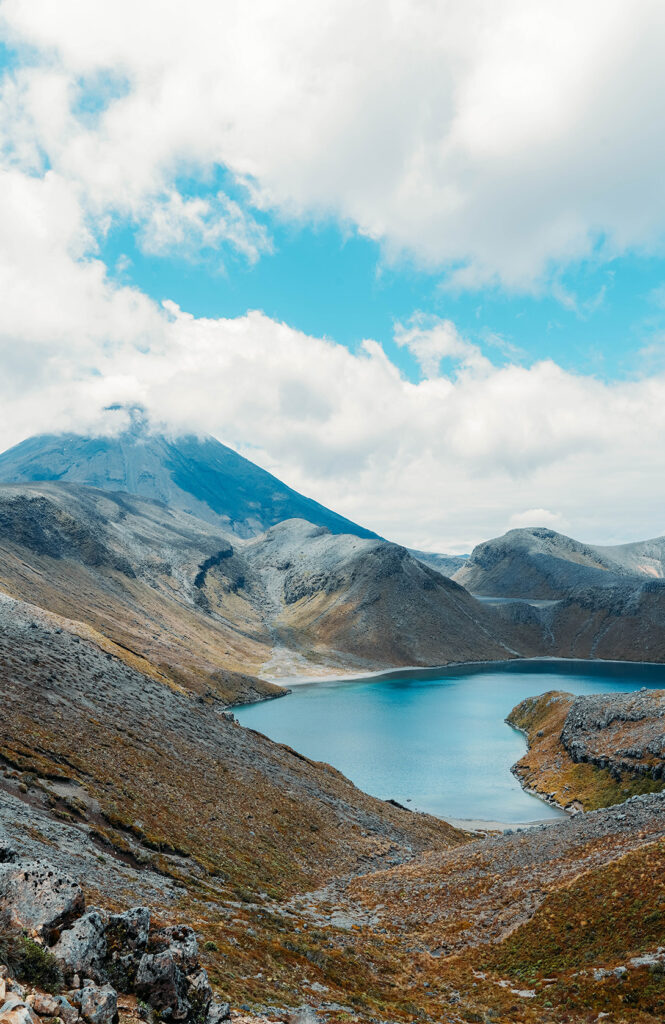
x=436, y=739
x=416, y=670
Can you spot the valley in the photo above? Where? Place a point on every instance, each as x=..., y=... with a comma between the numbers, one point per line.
x=130, y=627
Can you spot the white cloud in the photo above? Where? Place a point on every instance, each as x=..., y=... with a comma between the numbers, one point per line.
x=495, y=139
x=200, y=224
x=439, y=464
x=430, y=340
x=498, y=137
x=538, y=517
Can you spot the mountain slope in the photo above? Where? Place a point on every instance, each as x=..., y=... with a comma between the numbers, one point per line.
x=447, y=565
x=369, y=599
x=173, y=591
x=541, y=564
x=199, y=476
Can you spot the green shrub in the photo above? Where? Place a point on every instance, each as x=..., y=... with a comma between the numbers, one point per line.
x=28, y=961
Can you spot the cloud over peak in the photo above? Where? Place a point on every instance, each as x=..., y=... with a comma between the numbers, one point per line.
x=492, y=141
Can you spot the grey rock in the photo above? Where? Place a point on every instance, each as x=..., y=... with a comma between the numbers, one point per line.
x=126, y=939
x=54, y=1006
x=15, y=1011
x=182, y=944
x=199, y=994
x=99, y=1004
x=218, y=1012
x=35, y=896
x=82, y=948
x=161, y=983
x=302, y=1015
x=129, y=930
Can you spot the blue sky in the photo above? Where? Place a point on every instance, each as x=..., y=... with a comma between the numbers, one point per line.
x=449, y=217
x=333, y=282
x=600, y=316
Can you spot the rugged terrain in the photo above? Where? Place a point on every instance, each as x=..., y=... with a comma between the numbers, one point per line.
x=126, y=630
x=592, y=751
x=301, y=888
x=207, y=612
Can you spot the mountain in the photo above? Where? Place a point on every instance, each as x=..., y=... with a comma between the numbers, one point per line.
x=211, y=612
x=370, y=600
x=199, y=476
x=539, y=563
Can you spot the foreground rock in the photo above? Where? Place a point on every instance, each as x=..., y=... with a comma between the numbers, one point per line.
x=38, y=898
x=95, y=948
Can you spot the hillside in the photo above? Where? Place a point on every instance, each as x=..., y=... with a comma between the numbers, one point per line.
x=190, y=474
x=208, y=613
x=623, y=620
x=150, y=793
x=368, y=599
x=538, y=563
x=302, y=889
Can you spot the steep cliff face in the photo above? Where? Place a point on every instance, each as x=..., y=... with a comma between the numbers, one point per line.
x=623, y=621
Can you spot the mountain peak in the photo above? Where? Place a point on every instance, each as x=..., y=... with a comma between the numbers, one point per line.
x=196, y=475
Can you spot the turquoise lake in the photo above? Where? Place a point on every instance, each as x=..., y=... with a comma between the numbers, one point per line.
x=435, y=739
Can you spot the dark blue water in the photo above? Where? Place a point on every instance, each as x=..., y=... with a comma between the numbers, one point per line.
x=435, y=739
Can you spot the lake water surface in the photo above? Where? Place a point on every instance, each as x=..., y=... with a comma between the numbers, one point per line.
x=435, y=739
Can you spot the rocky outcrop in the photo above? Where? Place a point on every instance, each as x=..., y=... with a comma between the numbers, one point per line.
x=99, y=954
x=82, y=948
x=592, y=751
x=37, y=898
x=623, y=733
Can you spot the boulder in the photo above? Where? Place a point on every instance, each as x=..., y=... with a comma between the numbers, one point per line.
x=181, y=942
x=218, y=1012
x=15, y=1011
x=53, y=1006
x=199, y=994
x=99, y=1004
x=36, y=897
x=302, y=1015
x=8, y=855
x=129, y=930
x=82, y=948
x=126, y=941
x=162, y=984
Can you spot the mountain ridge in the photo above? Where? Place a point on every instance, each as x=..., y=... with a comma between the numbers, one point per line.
x=539, y=563
x=200, y=476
